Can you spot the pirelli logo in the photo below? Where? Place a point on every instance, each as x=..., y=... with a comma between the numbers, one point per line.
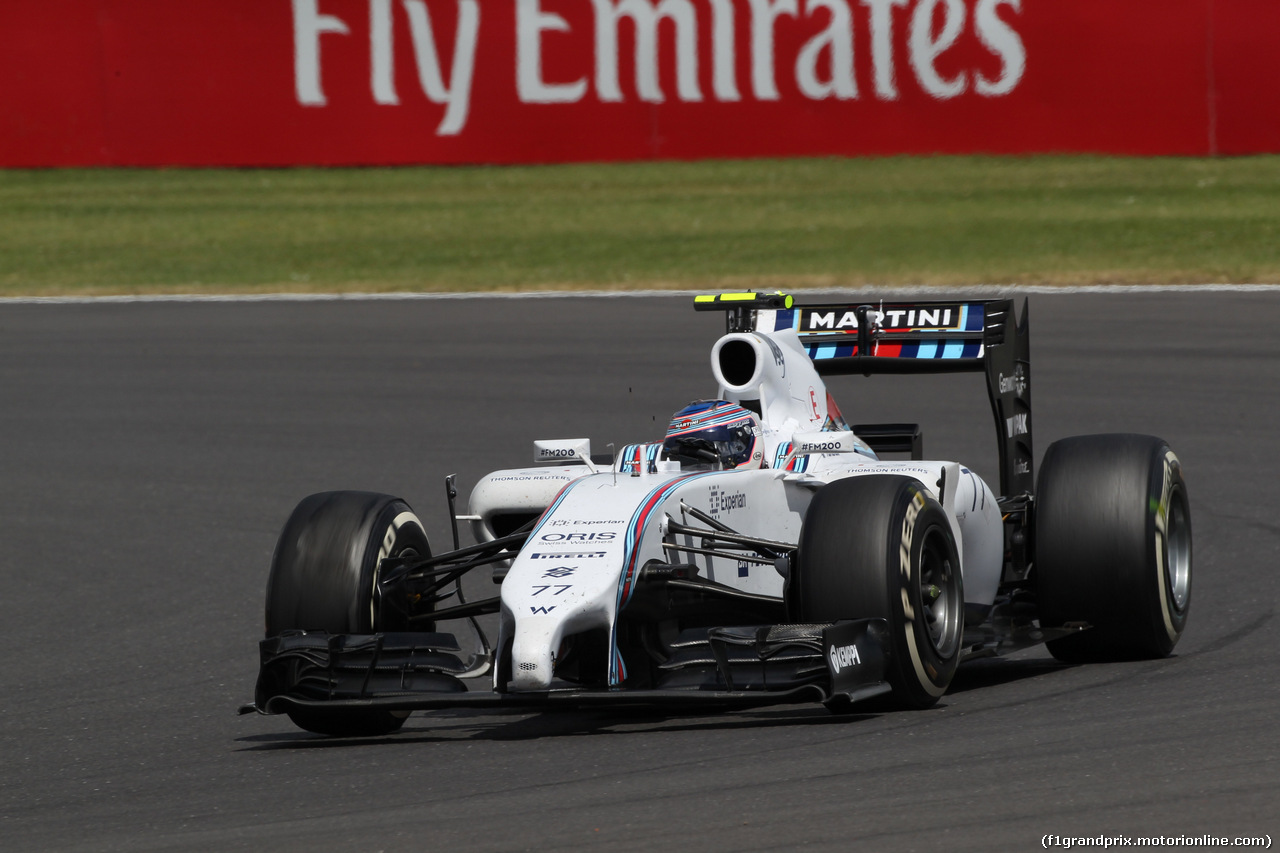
x=568, y=555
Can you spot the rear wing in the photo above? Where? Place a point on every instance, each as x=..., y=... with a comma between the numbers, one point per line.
x=912, y=337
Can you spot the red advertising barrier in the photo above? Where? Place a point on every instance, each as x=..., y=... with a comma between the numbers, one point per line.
x=281, y=82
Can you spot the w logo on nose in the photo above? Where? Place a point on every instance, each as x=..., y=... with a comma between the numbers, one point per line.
x=543, y=610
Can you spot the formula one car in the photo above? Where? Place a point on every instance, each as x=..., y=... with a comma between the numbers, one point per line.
x=763, y=551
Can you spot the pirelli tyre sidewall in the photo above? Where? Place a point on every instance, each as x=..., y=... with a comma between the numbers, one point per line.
x=324, y=577
x=882, y=547
x=1113, y=546
x=324, y=572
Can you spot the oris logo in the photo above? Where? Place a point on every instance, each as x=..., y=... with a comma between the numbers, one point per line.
x=842, y=657
x=577, y=537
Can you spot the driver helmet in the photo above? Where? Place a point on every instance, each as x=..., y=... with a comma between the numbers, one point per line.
x=715, y=431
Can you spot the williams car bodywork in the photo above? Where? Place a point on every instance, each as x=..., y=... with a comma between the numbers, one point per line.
x=639, y=579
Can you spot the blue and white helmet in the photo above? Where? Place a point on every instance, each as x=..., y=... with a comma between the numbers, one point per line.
x=715, y=432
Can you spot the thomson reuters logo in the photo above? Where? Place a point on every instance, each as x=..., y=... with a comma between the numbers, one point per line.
x=843, y=657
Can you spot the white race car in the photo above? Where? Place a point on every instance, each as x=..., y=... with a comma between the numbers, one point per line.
x=762, y=552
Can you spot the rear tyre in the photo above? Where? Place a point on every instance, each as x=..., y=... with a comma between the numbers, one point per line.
x=881, y=547
x=324, y=577
x=1113, y=547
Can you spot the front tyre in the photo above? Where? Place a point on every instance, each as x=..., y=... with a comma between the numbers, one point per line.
x=324, y=577
x=882, y=547
x=1113, y=547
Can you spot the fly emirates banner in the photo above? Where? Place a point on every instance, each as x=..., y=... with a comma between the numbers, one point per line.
x=280, y=82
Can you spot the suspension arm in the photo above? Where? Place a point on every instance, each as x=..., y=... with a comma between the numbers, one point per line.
x=760, y=545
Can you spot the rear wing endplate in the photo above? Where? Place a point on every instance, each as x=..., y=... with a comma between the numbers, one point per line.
x=912, y=337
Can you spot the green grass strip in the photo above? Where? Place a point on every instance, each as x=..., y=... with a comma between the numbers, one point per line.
x=766, y=223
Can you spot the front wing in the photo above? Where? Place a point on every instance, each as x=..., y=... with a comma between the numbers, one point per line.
x=744, y=666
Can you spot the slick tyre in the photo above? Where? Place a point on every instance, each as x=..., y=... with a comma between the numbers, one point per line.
x=881, y=547
x=324, y=577
x=1113, y=547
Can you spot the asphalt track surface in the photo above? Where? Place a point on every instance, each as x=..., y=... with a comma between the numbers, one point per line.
x=150, y=453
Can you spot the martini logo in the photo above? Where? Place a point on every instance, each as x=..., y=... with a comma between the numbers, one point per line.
x=892, y=318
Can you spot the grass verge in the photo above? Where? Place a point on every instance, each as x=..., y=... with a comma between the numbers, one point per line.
x=768, y=223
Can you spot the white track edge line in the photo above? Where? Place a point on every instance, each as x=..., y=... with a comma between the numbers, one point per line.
x=976, y=290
